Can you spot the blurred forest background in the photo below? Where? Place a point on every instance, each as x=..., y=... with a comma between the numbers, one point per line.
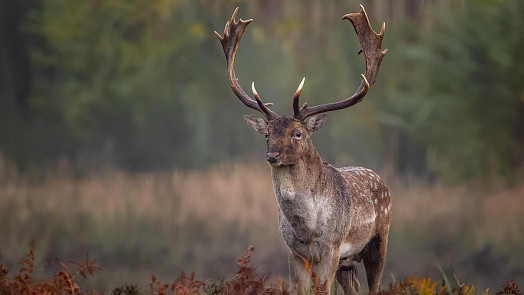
x=119, y=134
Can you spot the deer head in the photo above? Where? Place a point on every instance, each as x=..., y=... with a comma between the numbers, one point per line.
x=288, y=138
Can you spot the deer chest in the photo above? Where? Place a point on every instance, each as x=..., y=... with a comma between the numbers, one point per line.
x=303, y=217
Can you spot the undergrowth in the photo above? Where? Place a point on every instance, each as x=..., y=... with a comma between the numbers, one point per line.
x=245, y=281
x=62, y=282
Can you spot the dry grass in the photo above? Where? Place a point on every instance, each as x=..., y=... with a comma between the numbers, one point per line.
x=237, y=192
x=243, y=193
x=229, y=192
x=200, y=220
x=498, y=212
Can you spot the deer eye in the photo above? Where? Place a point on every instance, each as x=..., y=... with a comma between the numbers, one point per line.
x=266, y=135
x=298, y=134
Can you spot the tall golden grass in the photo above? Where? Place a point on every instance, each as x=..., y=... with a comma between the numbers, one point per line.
x=497, y=212
x=226, y=192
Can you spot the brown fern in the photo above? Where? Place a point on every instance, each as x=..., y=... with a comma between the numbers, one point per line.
x=62, y=282
x=157, y=287
x=510, y=288
x=185, y=285
x=87, y=267
x=245, y=281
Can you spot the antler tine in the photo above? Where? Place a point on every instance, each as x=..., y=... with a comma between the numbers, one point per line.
x=296, y=97
x=370, y=43
x=265, y=110
x=233, y=32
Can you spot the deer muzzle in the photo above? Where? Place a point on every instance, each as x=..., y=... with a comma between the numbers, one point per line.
x=273, y=158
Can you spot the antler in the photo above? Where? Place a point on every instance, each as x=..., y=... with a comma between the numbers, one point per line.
x=371, y=44
x=232, y=35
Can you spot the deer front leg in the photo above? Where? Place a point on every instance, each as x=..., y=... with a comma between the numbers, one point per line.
x=303, y=269
x=327, y=270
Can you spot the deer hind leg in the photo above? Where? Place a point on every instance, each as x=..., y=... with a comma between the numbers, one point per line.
x=347, y=277
x=374, y=256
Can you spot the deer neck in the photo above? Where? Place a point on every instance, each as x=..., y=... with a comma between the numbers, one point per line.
x=302, y=193
x=300, y=179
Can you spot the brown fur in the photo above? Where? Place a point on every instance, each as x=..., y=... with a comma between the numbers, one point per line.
x=328, y=217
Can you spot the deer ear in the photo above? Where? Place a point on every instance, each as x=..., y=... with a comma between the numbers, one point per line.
x=315, y=122
x=260, y=125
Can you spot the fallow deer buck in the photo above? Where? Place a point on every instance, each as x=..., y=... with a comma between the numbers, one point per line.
x=328, y=216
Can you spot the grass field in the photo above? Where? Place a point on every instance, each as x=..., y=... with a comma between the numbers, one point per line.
x=139, y=225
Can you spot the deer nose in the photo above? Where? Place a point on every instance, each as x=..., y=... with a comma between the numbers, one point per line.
x=272, y=157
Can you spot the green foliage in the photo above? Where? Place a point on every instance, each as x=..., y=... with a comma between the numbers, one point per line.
x=460, y=92
x=142, y=84
x=113, y=67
